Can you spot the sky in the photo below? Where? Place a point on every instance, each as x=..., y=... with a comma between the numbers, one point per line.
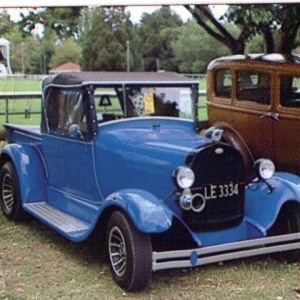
x=136, y=11
x=46, y=3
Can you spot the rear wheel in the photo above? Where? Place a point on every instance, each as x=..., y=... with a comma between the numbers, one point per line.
x=288, y=221
x=10, y=193
x=130, y=253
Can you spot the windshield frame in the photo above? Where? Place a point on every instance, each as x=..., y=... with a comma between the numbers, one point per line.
x=158, y=96
x=89, y=88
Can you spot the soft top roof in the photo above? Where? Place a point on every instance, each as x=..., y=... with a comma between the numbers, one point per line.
x=117, y=78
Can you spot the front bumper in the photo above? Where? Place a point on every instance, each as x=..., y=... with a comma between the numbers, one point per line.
x=224, y=252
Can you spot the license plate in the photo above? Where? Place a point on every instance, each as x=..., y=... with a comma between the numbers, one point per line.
x=215, y=191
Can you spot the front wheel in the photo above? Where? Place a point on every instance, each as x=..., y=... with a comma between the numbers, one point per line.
x=288, y=221
x=10, y=193
x=130, y=253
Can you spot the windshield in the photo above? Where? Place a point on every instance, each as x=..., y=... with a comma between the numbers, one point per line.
x=141, y=101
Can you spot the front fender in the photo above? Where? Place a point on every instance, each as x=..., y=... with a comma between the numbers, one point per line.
x=263, y=206
x=147, y=212
x=30, y=170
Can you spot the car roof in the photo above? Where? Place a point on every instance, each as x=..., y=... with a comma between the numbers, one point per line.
x=275, y=58
x=117, y=78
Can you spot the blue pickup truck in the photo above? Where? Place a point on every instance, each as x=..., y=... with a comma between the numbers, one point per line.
x=119, y=156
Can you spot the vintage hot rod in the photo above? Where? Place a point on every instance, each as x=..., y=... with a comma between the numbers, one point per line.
x=119, y=155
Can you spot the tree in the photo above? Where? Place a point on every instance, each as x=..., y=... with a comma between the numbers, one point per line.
x=256, y=20
x=46, y=51
x=68, y=50
x=103, y=36
x=25, y=52
x=277, y=23
x=158, y=32
x=193, y=48
x=58, y=25
x=255, y=45
x=62, y=20
x=205, y=18
x=17, y=49
x=5, y=23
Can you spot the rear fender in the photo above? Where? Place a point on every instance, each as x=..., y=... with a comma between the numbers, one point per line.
x=30, y=169
x=147, y=212
x=263, y=205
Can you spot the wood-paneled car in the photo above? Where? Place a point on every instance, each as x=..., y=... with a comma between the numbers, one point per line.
x=259, y=96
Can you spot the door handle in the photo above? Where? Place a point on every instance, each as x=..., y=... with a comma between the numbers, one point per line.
x=270, y=115
x=276, y=117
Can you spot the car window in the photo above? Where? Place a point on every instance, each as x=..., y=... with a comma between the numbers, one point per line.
x=223, y=83
x=160, y=101
x=66, y=113
x=142, y=101
x=109, y=104
x=290, y=91
x=253, y=86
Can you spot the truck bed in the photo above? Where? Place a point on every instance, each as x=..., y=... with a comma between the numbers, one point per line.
x=22, y=133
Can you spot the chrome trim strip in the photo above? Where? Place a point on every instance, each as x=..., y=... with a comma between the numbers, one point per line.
x=229, y=251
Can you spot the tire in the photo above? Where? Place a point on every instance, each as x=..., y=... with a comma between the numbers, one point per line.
x=130, y=253
x=288, y=221
x=10, y=198
x=233, y=137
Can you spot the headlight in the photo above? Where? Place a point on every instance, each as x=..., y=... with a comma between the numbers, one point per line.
x=184, y=177
x=265, y=168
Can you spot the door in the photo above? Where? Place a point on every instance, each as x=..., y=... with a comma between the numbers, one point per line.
x=68, y=145
x=252, y=115
x=287, y=127
x=243, y=99
x=80, y=169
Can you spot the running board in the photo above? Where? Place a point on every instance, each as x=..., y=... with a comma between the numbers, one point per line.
x=230, y=251
x=64, y=223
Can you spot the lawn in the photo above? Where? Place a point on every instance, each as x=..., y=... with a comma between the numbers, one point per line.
x=15, y=84
x=37, y=263
x=19, y=106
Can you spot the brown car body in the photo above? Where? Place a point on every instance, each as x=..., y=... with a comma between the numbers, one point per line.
x=259, y=96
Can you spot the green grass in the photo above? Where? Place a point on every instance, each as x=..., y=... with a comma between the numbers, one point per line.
x=202, y=111
x=38, y=263
x=202, y=84
x=20, y=105
x=15, y=84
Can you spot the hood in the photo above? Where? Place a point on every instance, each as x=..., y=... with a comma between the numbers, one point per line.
x=164, y=132
x=143, y=153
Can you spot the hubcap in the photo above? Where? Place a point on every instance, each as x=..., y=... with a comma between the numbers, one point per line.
x=8, y=193
x=117, y=251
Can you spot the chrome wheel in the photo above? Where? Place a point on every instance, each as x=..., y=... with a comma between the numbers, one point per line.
x=8, y=193
x=10, y=198
x=130, y=253
x=117, y=251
